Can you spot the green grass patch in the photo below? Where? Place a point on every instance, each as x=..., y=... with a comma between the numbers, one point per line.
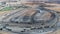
x=7, y=9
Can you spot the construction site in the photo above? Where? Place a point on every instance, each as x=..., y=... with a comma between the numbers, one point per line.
x=29, y=17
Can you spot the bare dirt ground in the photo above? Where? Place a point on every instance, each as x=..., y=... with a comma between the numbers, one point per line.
x=3, y=32
x=4, y=12
x=56, y=7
